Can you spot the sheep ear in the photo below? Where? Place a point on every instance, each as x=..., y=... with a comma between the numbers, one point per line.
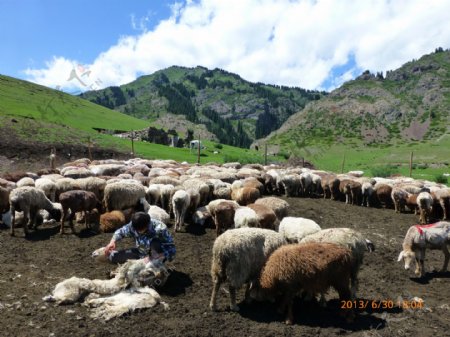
x=400, y=256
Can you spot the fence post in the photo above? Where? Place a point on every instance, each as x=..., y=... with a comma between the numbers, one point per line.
x=343, y=163
x=132, y=143
x=265, y=154
x=410, y=164
x=89, y=148
x=198, y=150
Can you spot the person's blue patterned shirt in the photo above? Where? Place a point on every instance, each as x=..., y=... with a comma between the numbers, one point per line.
x=156, y=229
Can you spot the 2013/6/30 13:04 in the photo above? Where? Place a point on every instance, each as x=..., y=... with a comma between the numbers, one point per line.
x=382, y=304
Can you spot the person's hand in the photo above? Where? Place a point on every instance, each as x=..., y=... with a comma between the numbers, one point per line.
x=110, y=247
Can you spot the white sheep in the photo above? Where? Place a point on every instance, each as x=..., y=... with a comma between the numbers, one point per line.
x=425, y=204
x=420, y=237
x=25, y=181
x=238, y=256
x=48, y=186
x=294, y=229
x=158, y=213
x=30, y=200
x=245, y=217
x=180, y=203
x=121, y=195
x=133, y=277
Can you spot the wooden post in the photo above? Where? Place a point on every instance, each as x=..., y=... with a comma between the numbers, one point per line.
x=132, y=143
x=89, y=148
x=343, y=163
x=52, y=158
x=265, y=154
x=410, y=164
x=198, y=150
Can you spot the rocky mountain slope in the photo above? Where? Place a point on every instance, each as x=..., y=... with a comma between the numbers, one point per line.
x=234, y=110
x=406, y=105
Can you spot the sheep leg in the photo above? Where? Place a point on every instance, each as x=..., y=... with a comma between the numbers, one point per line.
x=447, y=257
x=420, y=263
x=233, y=305
x=286, y=306
x=212, y=303
x=72, y=215
x=13, y=219
x=344, y=295
x=63, y=216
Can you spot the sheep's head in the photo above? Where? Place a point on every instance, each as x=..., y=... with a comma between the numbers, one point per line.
x=100, y=255
x=153, y=275
x=408, y=256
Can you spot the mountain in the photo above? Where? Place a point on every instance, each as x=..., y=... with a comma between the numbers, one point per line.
x=234, y=110
x=406, y=107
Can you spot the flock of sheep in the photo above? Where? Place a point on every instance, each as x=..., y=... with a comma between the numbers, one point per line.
x=257, y=243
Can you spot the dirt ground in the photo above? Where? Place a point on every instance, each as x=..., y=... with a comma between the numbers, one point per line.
x=31, y=267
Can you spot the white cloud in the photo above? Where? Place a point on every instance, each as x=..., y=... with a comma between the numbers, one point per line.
x=296, y=43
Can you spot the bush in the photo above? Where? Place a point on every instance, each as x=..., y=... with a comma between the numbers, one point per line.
x=383, y=171
x=441, y=179
x=218, y=146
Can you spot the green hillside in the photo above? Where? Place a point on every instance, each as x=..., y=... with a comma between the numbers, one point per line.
x=236, y=111
x=34, y=118
x=21, y=98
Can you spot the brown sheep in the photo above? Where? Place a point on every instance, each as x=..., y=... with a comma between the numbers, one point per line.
x=111, y=221
x=352, y=191
x=245, y=195
x=224, y=216
x=383, y=193
x=77, y=201
x=442, y=198
x=411, y=203
x=4, y=200
x=266, y=216
x=311, y=268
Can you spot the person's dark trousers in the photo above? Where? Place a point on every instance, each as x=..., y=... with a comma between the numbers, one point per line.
x=122, y=256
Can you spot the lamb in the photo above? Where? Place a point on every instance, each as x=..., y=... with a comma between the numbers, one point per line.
x=294, y=229
x=238, y=256
x=121, y=195
x=311, y=268
x=180, y=203
x=279, y=206
x=111, y=221
x=420, y=237
x=30, y=200
x=78, y=201
x=348, y=238
x=425, y=205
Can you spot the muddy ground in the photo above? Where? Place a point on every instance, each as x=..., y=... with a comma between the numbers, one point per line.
x=31, y=267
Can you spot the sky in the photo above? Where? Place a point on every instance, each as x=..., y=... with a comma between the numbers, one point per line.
x=80, y=45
